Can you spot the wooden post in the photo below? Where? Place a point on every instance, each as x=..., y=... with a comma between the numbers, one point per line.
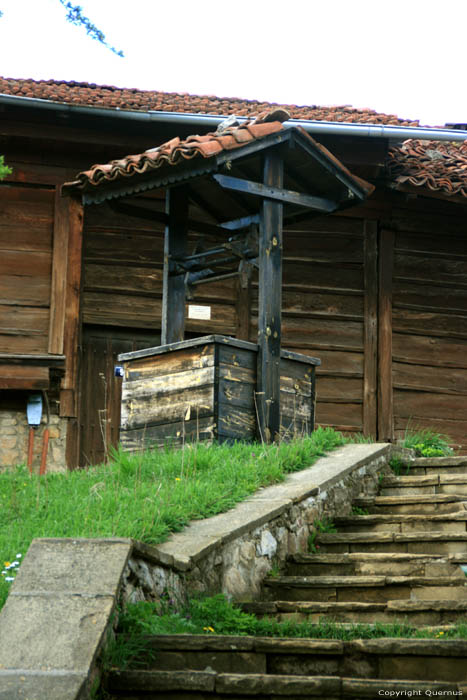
x=173, y=300
x=269, y=304
x=385, y=400
x=370, y=360
x=69, y=400
x=243, y=301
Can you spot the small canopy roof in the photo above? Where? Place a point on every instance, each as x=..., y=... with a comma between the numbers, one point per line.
x=224, y=169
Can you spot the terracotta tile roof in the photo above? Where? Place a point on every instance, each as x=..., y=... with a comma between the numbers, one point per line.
x=228, y=137
x=91, y=95
x=439, y=166
x=175, y=151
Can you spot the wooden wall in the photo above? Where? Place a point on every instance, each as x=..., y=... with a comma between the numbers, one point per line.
x=429, y=316
x=26, y=226
x=323, y=312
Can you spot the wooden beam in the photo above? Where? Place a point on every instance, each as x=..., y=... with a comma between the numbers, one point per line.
x=173, y=300
x=59, y=274
x=243, y=300
x=286, y=196
x=72, y=324
x=385, y=395
x=370, y=360
x=269, y=303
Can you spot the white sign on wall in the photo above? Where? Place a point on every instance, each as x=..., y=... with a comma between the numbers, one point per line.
x=202, y=313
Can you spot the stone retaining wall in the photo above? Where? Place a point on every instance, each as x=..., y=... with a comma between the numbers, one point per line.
x=234, y=551
x=14, y=434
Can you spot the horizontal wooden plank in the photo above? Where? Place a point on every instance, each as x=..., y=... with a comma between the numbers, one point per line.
x=169, y=363
x=236, y=423
x=145, y=312
x=420, y=404
x=327, y=226
x=436, y=269
x=27, y=171
x=429, y=297
x=339, y=388
x=429, y=323
x=137, y=390
x=325, y=333
x=311, y=303
x=36, y=344
x=23, y=320
x=334, y=414
x=168, y=434
x=143, y=281
x=123, y=246
x=300, y=275
x=295, y=406
x=28, y=237
x=436, y=352
x=339, y=363
x=432, y=243
x=322, y=247
x=26, y=263
x=31, y=291
x=429, y=379
x=23, y=377
x=238, y=357
x=156, y=409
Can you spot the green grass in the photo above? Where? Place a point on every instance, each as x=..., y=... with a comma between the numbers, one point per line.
x=145, y=496
x=427, y=443
x=215, y=615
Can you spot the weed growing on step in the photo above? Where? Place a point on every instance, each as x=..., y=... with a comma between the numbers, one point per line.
x=356, y=510
x=399, y=466
x=216, y=615
x=427, y=443
x=145, y=496
x=319, y=526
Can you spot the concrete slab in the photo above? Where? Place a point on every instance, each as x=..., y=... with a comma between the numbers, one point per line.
x=26, y=685
x=56, y=631
x=71, y=566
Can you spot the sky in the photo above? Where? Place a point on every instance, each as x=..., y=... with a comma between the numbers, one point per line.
x=399, y=57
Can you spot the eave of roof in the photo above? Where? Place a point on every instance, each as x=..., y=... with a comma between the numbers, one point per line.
x=435, y=167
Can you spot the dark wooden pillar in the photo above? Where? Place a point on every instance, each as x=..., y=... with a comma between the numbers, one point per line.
x=173, y=300
x=269, y=304
x=385, y=397
x=370, y=360
x=65, y=322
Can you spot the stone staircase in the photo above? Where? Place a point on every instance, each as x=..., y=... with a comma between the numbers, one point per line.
x=400, y=559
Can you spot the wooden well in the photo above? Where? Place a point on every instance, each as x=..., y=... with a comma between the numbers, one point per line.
x=206, y=389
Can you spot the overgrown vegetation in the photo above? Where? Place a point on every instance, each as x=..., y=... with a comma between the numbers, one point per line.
x=145, y=496
x=319, y=526
x=215, y=615
x=427, y=443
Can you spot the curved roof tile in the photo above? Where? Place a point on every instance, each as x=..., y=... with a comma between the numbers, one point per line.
x=92, y=95
x=439, y=166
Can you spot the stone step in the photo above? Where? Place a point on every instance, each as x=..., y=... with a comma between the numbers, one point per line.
x=369, y=588
x=389, y=542
x=183, y=684
x=437, y=465
x=413, y=504
x=415, y=485
x=412, y=612
x=403, y=522
x=437, y=462
x=371, y=563
x=179, y=685
x=423, y=659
